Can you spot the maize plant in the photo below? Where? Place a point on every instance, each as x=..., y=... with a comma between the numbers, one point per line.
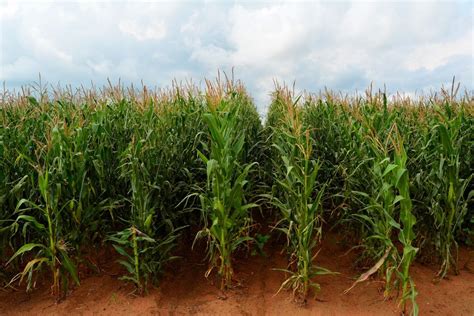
x=449, y=199
x=144, y=246
x=406, y=235
x=224, y=208
x=50, y=248
x=299, y=199
x=389, y=210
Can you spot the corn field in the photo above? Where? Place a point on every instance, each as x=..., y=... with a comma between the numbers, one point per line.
x=136, y=170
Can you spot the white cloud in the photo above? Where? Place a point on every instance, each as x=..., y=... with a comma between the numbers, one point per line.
x=8, y=9
x=433, y=55
x=152, y=31
x=102, y=67
x=278, y=34
x=46, y=47
x=21, y=67
x=409, y=45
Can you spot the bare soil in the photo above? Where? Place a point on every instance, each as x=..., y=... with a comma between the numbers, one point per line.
x=184, y=290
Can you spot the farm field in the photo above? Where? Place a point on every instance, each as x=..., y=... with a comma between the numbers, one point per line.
x=127, y=200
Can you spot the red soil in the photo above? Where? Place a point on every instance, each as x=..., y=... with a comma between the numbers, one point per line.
x=185, y=290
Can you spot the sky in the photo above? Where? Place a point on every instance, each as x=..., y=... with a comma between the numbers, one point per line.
x=409, y=46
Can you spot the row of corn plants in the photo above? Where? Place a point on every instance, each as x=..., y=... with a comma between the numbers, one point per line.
x=395, y=169
x=118, y=167
x=134, y=169
x=296, y=193
x=86, y=169
x=224, y=202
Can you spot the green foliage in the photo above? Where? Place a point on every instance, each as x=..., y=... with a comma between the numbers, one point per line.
x=50, y=248
x=368, y=146
x=449, y=196
x=299, y=199
x=260, y=241
x=114, y=159
x=225, y=211
x=143, y=257
x=78, y=168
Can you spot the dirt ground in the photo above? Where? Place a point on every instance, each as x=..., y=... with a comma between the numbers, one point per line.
x=185, y=290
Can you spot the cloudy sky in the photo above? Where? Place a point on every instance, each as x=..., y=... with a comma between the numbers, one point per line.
x=410, y=46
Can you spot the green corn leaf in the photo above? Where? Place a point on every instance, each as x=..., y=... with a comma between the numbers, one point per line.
x=25, y=248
